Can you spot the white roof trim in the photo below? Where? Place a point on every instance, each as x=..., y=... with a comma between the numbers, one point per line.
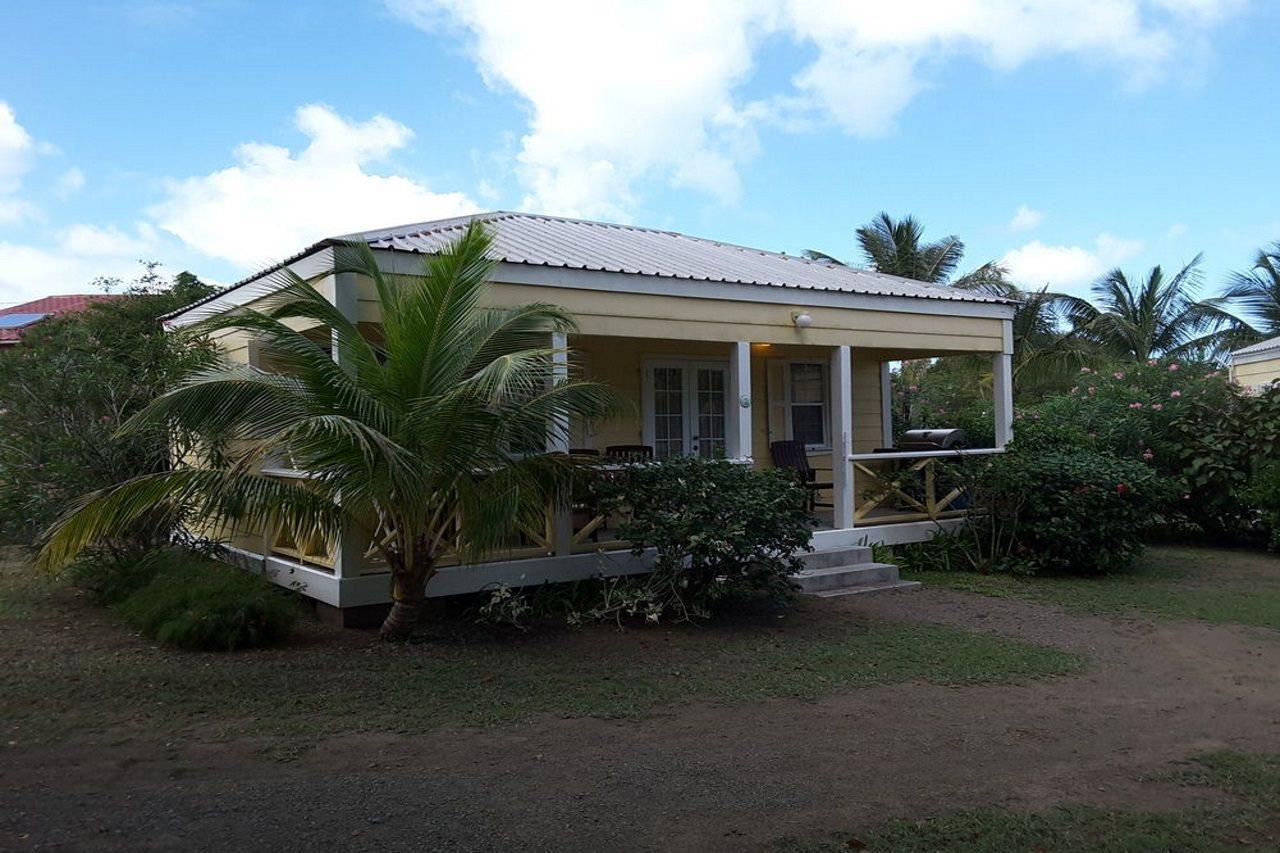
x=614, y=282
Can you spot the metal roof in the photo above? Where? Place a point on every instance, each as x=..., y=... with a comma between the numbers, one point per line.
x=578, y=244
x=1264, y=346
x=553, y=241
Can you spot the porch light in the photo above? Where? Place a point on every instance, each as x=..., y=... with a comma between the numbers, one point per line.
x=802, y=319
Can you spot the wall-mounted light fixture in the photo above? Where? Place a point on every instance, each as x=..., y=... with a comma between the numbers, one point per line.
x=802, y=319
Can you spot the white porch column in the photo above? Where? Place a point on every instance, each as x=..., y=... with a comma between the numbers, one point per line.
x=558, y=442
x=1002, y=388
x=739, y=414
x=841, y=436
x=348, y=557
x=886, y=405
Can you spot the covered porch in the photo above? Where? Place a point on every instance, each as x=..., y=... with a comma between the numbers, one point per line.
x=735, y=400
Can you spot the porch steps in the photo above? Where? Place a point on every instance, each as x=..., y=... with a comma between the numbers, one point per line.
x=847, y=571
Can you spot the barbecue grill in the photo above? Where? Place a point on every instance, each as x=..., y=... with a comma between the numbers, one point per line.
x=933, y=439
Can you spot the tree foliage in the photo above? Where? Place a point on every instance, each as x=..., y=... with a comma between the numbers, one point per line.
x=408, y=440
x=68, y=386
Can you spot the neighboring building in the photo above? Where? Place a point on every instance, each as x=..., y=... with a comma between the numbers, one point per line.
x=721, y=349
x=1256, y=367
x=17, y=319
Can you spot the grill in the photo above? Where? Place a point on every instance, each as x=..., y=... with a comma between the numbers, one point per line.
x=933, y=439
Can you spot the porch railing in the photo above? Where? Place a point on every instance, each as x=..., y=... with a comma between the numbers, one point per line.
x=589, y=529
x=901, y=486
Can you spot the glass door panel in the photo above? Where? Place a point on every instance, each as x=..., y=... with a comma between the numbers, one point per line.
x=668, y=412
x=710, y=406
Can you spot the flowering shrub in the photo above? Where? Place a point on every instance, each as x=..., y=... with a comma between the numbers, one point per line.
x=718, y=530
x=1075, y=511
x=1132, y=412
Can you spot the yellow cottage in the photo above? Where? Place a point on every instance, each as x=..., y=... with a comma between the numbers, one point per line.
x=722, y=349
x=1256, y=367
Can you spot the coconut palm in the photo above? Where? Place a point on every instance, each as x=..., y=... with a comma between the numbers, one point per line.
x=1045, y=354
x=898, y=248
x=407, y=441
x=1155, y=316
x=1258, y=290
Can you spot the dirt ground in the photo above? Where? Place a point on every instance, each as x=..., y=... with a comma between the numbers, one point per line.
x=693, y=777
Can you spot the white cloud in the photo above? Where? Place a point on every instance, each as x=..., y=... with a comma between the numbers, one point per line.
x=15, y=210
x=1025, y=219
x=273, y=202
x=619, y=91
x=18, y=152
x=1036, y=264
x=70, y=182
x=622, y=91
x=78, y=257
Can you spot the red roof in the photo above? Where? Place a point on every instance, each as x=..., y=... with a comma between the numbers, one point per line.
x=51, y=305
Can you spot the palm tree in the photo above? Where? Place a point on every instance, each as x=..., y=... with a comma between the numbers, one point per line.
x=1156, y=316
x=1258, y=290
x=407, y=441
x=897, y=248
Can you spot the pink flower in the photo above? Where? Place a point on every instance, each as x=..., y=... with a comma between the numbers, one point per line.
x=1085, y=370
x=1175, y=394
x=1151, y=362
x=1093, y=390
x=1118, y=375
x=105, y=419
x=1135, y=405
x=1148, y=455
x=1173, y=366
x=1121, y=488
x=1159, y=407
x=1075, y=389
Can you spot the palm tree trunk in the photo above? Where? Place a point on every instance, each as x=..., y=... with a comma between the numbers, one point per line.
x=408, y=589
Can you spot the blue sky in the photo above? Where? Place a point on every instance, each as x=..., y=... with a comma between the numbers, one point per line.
x=221, y=135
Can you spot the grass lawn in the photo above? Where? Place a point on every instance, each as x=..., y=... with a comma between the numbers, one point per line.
x=68, y=665
x=1250, y=820
x=1216, y=585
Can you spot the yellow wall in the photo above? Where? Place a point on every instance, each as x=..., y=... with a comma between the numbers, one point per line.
x=1256, y=373
x=671, y=316
x=619, y=362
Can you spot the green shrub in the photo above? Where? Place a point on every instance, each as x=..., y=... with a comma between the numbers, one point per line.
x=1263, y=493
x=198, y=604
x=720, y=531
x=717, y=528
x=110, y=578
x=1071, y=512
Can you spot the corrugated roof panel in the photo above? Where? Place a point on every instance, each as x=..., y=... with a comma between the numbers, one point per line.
x=552, y=241
x=578, y=244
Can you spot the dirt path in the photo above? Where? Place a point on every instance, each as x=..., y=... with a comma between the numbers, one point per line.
x=704, y=778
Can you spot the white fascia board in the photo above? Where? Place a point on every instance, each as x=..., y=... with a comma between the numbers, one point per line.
x=1252, y=357
x=683, y=288
x=309, y=266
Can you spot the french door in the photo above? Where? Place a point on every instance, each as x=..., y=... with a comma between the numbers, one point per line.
x=684, y=407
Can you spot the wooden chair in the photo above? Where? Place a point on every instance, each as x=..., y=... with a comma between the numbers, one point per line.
x=791, y=454
x=628, y=453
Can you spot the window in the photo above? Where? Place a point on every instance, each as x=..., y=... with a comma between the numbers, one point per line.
x=807, y=413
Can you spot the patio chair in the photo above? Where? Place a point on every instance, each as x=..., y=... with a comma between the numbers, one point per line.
x=792, y=454
x=628, y=453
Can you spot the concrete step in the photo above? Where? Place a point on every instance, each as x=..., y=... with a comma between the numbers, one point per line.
x=858, y=590
x=842, y=577
x=844, y=556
